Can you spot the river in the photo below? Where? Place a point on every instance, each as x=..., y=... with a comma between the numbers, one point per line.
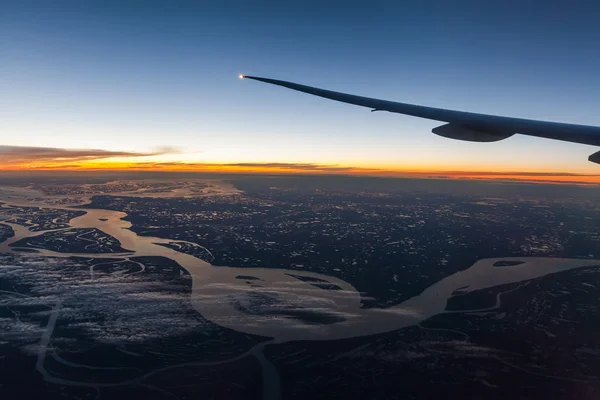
x=217, y=293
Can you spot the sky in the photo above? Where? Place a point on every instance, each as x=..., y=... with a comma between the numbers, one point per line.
x=153, y=84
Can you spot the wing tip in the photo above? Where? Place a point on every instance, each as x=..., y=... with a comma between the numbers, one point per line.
x=255, y=78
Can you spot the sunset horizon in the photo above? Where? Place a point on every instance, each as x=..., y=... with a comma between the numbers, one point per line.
x=165, y=94
x=21, y=158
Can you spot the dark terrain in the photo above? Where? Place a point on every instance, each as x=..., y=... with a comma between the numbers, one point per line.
x=124, y=327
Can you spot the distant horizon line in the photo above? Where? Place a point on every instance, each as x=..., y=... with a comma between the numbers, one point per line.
x=571, y=178
x=169, y=159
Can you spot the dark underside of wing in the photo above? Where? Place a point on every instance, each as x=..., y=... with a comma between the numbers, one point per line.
x=463, y=125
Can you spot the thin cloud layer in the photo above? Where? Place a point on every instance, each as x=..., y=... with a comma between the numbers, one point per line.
x=13, y=158
x=301, y=166
x=269, y=167
x=513, y=173
x=18, y=155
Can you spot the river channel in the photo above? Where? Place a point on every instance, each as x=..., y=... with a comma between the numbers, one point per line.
x=217, y=290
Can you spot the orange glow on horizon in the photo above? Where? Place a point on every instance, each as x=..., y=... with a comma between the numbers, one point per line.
x=307, y=169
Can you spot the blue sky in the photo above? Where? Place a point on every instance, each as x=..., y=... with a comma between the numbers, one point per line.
x=137, y=76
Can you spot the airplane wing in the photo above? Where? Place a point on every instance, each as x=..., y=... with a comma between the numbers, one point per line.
x=462, y=125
